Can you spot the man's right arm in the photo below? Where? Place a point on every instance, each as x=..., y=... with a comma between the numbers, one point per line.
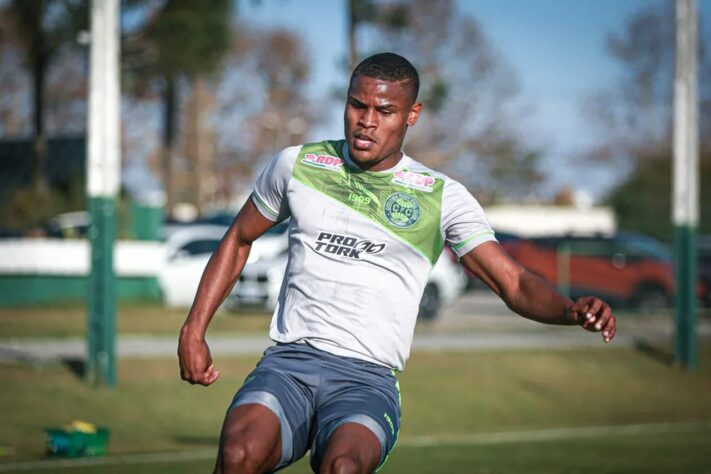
x=217, y=280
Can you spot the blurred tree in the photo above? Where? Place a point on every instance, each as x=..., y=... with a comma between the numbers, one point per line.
x=40, y=28
x=565, y=197
x=200, y=144
x=263, y=103
x=469, y=94
x=252, y=102
x=642, y=202
x=43, y=96
x=359, y=11
x=14, y=102
x=28, y=210
x=180, y=40
x=634, y=120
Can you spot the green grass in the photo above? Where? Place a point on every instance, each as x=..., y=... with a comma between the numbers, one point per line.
x=70, y=321
x=442, y=394
x=682, y=453
x=149, y=319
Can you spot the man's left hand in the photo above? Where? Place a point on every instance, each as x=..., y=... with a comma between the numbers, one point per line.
x=595, y=315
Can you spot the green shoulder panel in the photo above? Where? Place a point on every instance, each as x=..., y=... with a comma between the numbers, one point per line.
x=407, y=204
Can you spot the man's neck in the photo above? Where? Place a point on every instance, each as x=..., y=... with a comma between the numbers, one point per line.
x=384, y=164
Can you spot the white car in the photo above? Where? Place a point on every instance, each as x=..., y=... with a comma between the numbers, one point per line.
x=260, y=283
x=446, y=283
x=189, y=249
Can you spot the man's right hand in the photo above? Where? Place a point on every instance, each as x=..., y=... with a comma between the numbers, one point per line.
x=195, y=359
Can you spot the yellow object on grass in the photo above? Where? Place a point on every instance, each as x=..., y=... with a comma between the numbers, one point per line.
x=81, y=426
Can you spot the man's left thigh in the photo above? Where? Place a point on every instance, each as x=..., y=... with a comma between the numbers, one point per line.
x=369, y=400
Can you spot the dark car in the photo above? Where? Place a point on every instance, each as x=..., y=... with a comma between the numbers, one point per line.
x=626, y=269
x=9, y=233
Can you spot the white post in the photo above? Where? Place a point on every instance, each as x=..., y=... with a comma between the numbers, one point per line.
x=103, y=173
x=686, y=180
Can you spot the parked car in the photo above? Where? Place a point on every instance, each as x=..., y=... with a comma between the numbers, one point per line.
x=626, y=269
x=173, y=225
x=189, y=249
x=260, y=283
x=9, y=233
x=68, y=225
x=446, y=283
x=505, y=239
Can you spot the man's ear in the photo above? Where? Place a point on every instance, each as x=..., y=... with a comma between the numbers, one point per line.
x=414, y=114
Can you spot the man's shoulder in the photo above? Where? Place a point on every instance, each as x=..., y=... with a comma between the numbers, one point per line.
x=289, y=155
x=329, y=147
x=417, y=167
x=453, y=190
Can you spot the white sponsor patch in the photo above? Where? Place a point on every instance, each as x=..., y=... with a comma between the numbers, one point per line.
x=328, y=162
x=418, y=181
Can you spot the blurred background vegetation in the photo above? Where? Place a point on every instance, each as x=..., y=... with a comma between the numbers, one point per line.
x=207, y=97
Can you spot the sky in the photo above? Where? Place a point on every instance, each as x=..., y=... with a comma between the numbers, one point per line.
x=556, y=48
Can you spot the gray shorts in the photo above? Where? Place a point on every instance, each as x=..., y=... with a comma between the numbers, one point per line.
x=312, y=392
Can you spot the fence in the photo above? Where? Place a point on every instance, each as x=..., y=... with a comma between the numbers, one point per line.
x=50, y=271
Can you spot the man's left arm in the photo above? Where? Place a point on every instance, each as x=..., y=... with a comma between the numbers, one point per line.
x=532, y=297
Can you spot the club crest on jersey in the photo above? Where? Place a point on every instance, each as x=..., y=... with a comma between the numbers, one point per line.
x=327, y=162
x=346, y=246
x=402, y=210
x=418, y=181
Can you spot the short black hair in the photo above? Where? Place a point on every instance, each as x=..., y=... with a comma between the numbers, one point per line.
x=389, y=67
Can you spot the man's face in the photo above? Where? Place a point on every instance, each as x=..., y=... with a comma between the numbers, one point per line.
x=376, y=118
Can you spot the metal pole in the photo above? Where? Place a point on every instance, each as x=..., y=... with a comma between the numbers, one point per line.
x=103, y=171
x=686, y=181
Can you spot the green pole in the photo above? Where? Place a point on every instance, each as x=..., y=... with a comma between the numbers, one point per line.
x=103, y=172
x=685, y=344
x=101, y=364
x=686, y=182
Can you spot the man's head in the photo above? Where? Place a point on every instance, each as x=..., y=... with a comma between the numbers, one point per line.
x=381, y=104
x=390, y=67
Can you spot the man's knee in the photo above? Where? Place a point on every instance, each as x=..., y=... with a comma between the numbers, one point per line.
x=241, y=455
x=250, y=440
x=344, y=464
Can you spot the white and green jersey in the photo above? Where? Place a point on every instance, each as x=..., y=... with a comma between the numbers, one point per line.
x=361, y=246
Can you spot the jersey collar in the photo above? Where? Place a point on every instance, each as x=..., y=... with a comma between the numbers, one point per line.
x=404, y=159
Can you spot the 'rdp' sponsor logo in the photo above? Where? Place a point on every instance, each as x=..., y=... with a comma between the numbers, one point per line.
x=328, y=162
x=421, y=182
x=346, y=246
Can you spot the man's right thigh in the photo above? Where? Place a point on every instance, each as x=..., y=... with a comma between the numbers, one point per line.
x=250, y=440
x=272, y=414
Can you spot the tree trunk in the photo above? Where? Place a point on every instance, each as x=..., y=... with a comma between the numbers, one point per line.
x=352, y=42
x=168, y=153
x=199, y=149
x=39, y=68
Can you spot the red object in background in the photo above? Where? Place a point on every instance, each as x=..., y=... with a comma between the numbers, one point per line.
x=625, y=269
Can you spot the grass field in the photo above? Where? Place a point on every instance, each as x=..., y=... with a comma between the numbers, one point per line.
x=452, y=403
x=70, y=321
x=132, y=319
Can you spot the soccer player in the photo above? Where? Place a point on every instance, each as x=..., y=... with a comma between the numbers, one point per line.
x=367, y=224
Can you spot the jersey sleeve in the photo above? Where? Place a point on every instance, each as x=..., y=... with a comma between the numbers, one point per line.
x=464, y=224
x=269, y=193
